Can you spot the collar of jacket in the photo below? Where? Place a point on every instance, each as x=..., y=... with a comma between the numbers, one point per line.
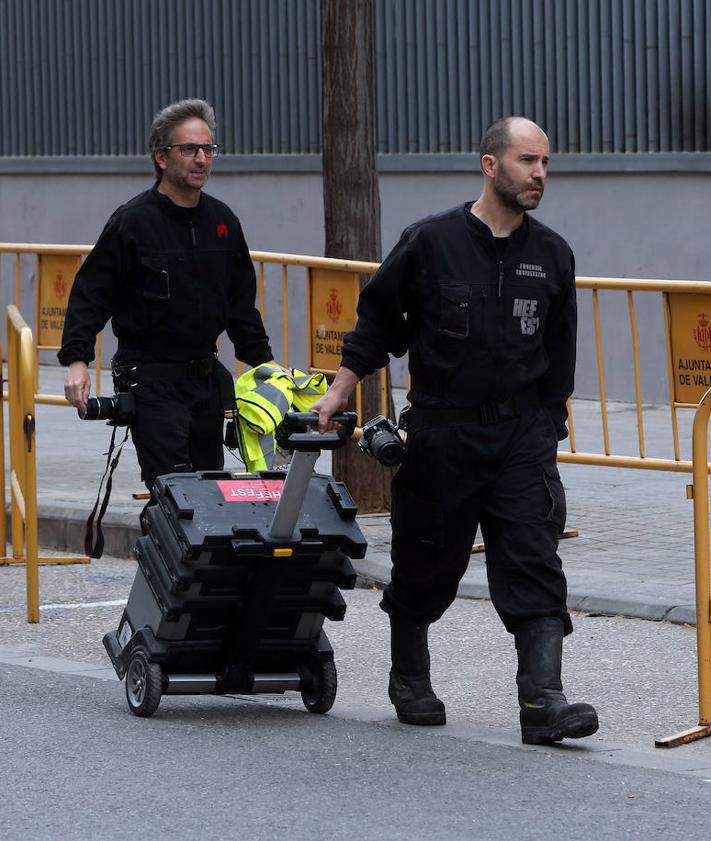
x=483, y=231
x=175, y=211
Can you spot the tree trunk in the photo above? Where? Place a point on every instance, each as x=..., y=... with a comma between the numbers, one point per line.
x=351, y=196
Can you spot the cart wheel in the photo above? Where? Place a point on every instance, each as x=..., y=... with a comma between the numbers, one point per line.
x=319, y=697
x=144, y=684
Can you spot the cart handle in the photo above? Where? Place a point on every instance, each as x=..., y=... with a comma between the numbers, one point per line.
x=297, y=432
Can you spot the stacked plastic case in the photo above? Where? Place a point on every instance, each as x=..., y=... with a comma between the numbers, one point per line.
x=236, y=574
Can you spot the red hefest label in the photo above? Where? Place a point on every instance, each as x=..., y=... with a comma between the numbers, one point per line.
x=251, y=490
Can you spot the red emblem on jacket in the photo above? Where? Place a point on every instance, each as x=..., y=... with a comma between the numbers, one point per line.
x=222, y=231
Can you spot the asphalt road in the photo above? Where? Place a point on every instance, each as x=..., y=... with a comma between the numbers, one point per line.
x=77, y=765
x=82, y=768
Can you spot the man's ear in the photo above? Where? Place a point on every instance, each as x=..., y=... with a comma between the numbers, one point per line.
x=160, y=157
x=488, y=165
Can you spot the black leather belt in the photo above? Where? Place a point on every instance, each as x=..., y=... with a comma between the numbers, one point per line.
x=484, y=414
x=129, y=374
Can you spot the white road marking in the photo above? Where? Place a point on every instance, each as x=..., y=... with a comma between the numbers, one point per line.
x=66, y=606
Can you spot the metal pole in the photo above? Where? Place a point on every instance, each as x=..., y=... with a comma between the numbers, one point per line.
x=15, y=431
x=29, y=487
x=701, y=554
x=292, y=497
x=700, y=493
x=3, y=501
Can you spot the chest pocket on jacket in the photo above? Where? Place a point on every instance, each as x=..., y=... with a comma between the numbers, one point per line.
x=454, y=312
x=155, y=281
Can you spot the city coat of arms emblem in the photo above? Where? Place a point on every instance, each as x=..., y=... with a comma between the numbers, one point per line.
x=334, y=306
x=60, y=285
x=702, y=331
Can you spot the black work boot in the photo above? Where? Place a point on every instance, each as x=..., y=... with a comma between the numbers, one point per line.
x=410, y=689
x=546, y=715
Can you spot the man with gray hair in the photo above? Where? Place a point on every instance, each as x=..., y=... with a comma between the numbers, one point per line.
x=172, y=271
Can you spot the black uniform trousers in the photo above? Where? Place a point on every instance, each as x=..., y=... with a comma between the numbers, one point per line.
x=456, y=476
x=178, y=426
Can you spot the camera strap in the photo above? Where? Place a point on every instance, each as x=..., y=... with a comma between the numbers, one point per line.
x=94, y=542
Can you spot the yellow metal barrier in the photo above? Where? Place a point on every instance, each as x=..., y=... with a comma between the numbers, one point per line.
x=317, y=270
x=699, y=492
x=285, y=262
x=54, y=270
x=21, y=365
x=328, y=267
x=672, y=292
x=669, y=290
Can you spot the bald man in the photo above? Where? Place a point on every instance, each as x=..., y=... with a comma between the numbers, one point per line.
x=483, y=298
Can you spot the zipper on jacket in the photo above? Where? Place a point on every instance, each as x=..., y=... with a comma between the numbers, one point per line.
x=192, y=233
x=501, y=277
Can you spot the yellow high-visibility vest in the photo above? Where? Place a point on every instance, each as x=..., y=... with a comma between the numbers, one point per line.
x=264, y=395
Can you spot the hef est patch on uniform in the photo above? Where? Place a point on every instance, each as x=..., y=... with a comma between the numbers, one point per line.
x=525, y=309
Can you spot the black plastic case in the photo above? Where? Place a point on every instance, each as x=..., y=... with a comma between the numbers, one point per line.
x=219, y=604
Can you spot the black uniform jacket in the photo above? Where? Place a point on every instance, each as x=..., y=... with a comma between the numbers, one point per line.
x=479, y=325
x=171, y=279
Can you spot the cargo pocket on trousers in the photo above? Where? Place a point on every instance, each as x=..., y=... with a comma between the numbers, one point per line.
x=415, y=520
x=557, y=513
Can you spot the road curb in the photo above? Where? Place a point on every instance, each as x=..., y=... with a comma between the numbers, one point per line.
x=374, y=571
x=63, y=529
x=60, y=528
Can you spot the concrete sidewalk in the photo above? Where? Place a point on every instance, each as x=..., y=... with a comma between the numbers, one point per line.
x=634, y=554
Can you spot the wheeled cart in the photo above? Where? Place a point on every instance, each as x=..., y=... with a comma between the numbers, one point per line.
x=236, y=574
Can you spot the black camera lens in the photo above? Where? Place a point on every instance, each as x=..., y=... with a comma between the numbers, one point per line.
x=98, y=408
x=117, y=410
x=387, y=448
x=381, y=440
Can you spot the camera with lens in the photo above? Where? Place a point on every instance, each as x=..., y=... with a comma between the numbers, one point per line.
x=118, y=409
x=381, y=440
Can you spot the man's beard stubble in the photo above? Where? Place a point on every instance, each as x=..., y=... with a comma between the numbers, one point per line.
x=512, y=196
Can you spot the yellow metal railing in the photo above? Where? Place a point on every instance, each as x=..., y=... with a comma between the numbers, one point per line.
x=629, y=286
x=21, y=364
x=261, y=259
x=288, y=269
x=287, y=263
x=699, y=492
x=308, y=264
x=38, y=251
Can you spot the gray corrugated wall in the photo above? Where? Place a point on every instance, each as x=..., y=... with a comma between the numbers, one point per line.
x=600, y=75
x=84, y=77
